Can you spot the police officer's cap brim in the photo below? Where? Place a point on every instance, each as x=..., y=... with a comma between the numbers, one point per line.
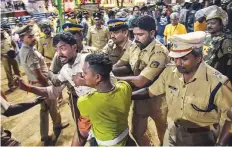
x=116, y=28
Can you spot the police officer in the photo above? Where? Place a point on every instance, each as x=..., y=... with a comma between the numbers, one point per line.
x=119, y=39
x=8, y=55
x=197, y=95
x=45, y=43
x=98, y=35
x=147, y=59
x=219, y=49
x=36, y=70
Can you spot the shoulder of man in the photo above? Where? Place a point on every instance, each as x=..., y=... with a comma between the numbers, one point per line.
x=227, y=46
x=216, y=76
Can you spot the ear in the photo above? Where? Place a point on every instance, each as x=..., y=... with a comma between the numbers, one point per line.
x=74, y=47
x=98, y=78
x=152, y=33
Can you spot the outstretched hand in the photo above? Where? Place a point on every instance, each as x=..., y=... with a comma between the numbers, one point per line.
x=20, y=83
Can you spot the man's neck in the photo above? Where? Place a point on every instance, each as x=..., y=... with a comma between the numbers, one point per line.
x=143, y=47
x=48, y=35
x=98, y=27
x=71, y=61
x=105, y=86
x=189, y=76
x=216, y=34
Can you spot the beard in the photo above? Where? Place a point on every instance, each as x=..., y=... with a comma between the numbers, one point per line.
x=182, y=69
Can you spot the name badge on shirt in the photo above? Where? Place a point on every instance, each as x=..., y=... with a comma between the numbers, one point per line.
x=45, y=44
x=174, y=90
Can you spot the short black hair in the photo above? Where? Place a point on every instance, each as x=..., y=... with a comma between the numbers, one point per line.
x=136, y=7
x=100, y=63
x=145, y=22
x=111, y=13
x=66, y=37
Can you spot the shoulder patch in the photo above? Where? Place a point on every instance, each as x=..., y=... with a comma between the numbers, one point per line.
x=154, y=64
x=223, y=79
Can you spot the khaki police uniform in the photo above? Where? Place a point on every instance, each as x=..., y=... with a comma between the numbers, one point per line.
x=187, y=125
x=98, y=38
x=7, y=62
x=218, y=49
x=114, y=52
x=45, y=47
x=31, y=59
x=149, y=63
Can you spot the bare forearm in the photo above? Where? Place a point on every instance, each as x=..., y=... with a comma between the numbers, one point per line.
x=120, y=71
x=41, y=91
x=141, y=94
x=43, y=80
x=137, y=81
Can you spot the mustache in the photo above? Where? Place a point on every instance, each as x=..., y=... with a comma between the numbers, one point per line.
x=180, y=68
x=137, y=42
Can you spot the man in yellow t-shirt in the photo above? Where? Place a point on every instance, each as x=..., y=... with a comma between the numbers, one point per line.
x=108, y=107
x=200, y=24
x=175, y=28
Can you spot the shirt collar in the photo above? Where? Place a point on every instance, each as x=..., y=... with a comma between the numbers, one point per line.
x=199, y=74
x=96, y=27
x=151, y=46
x=26, y=46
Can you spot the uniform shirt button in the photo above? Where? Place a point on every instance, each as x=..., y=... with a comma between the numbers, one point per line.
x=181, y=109
x=184, y=86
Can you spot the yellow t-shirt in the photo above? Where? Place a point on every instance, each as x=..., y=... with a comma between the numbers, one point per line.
x=199, y=26
x=174, y=30
x=108, y=112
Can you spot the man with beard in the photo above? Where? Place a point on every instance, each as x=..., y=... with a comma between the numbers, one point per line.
x=218, y=47
x=36, y=70
x=66, y=47
x=147, y=60
x=197, y=95
x=44, y=44
x=119, y=39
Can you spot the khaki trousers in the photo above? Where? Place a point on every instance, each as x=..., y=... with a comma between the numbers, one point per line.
x=178, y=136
x=46, y=107
x=8, y=64
x=156, y=108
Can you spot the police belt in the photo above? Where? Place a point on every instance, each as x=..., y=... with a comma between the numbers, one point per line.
x=195, y=130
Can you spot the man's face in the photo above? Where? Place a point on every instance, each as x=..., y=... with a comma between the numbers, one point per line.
x=136, y=12
x=65, y=51
x=174, y=21
x=46, y=30
x=79, y=38
x=187, y=64
x=143, y=37
x=118, y=36
x=213, y=26
x=90, y=77
x=29, y=39
x=98, y=22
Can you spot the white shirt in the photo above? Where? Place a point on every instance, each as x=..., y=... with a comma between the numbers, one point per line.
x=66, y=74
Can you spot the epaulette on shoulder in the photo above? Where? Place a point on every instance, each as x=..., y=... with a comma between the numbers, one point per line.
x=220, y=77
